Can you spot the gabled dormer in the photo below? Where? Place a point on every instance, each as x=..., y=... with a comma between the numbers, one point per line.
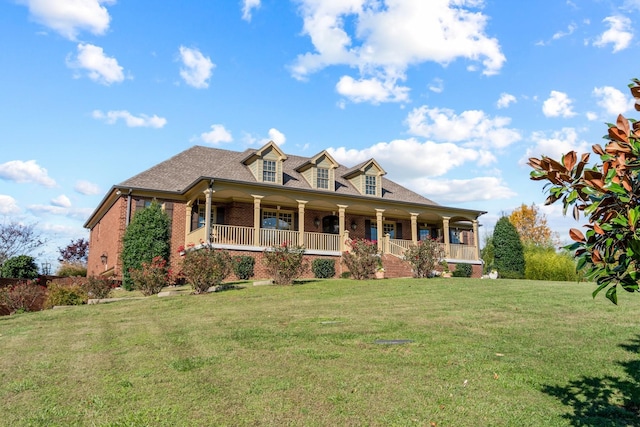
x=320, y=171
x=266, y=163
x=366, y=178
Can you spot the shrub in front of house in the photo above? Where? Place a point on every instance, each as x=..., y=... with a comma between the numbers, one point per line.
x=204, y=268
x=285, y=263
x=424, y=257
x=323, y=268
x=362, y=260
x=151, y=277
x=97, y=287
x=463, y=269
x=23, y=296
x=243, y=266
x=65, y=294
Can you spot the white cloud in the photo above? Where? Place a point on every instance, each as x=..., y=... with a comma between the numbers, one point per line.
x=25, y=172
x=473, y=128
x=99, y=67
x=197, y=68
x=61, y=201
x=558, y=105
x=218, y=134
x=556, y=144
x=437, y=86
x=69, y=17
x=612, y=100
x=372, y=90
x=111, y=117
x=619, y=34
x=416, y=158
x=591, y=116
x=247, y=8
x=77, y=213
x=87, y=188
x=505, y=100
x=276, y=136
x=389, y=37
x=462, y=190
x=8, y=205
x=560, y=34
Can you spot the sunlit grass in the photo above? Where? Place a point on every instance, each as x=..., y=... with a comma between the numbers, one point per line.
x=484, y=352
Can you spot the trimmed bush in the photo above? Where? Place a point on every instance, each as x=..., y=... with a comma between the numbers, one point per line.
x=425, y=257
x=323, y=268
x=508, y=251
x=151, y=277
x=20, y=267
x=204, y=268
x=24, y=296
x=362, y=261
x=463, y=270
x=243, y=266
x=285, y=263
x=71, y=294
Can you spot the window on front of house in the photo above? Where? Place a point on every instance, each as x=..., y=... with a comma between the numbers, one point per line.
x=323, y=178
x=202, y=209
x=370, y=185
x=277, y=220
x=390, y=229
x=269, y=171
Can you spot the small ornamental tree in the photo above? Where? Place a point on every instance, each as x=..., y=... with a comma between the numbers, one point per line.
x=146, y=237
x=23, y=296
x=204, y=268
x=508, y=250
x=424, y=257
x=75, y=252
x=20, y=267
x=362, y=260
x=285, y=263
x=608, y=195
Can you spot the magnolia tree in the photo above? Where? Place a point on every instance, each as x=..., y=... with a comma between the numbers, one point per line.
x=608, y=195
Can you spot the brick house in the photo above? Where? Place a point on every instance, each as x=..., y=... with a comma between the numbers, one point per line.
x=247, y=201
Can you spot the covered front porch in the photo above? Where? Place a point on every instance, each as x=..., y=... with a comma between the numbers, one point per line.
x=230, y=221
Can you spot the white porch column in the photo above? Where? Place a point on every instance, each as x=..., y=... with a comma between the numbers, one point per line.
x=187, y=224
x=445, y=230
x=476, y=239
x=207, y=215
x=301, y=204
x=380, y=236
x=256, y=219
x=414, y=228
x=341, y=226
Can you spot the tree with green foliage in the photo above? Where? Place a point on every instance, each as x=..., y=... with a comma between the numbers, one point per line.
x=20, y=267
x=508, y=250
x=608, y=194
x=147, y=236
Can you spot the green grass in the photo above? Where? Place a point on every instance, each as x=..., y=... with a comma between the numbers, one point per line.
x=484, y=353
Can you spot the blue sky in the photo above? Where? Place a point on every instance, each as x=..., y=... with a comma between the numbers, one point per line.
x=449, y=96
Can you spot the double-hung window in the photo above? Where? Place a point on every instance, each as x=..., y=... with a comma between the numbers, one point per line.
x=322, y=180
x=370, y=185
x=268, y=171
x=277, y=220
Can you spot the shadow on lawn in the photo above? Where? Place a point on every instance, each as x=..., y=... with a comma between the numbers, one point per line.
x=606, y=401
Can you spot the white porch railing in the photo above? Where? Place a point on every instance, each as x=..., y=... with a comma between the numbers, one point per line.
x=270, y=237
x=232, y=235
x=322, y=241
x=464, y=252
x=397, y=247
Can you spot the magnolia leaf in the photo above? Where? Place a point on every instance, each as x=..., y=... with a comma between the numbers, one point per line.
x=598, y=229
x=595, y=256
x=612, y=295
x=623, y=124
x=569, y=160
x=598, y=149
x=576, y=235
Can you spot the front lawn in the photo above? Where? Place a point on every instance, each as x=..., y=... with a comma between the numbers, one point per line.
x=483, y=353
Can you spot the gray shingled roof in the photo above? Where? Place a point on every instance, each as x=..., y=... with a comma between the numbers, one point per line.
x=179, y=172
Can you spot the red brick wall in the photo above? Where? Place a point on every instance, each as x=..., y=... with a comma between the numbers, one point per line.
x=106, y=238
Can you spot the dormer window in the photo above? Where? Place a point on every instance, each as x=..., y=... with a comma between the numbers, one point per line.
x=322, y=180
x=268, y=171
x=370, y=185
